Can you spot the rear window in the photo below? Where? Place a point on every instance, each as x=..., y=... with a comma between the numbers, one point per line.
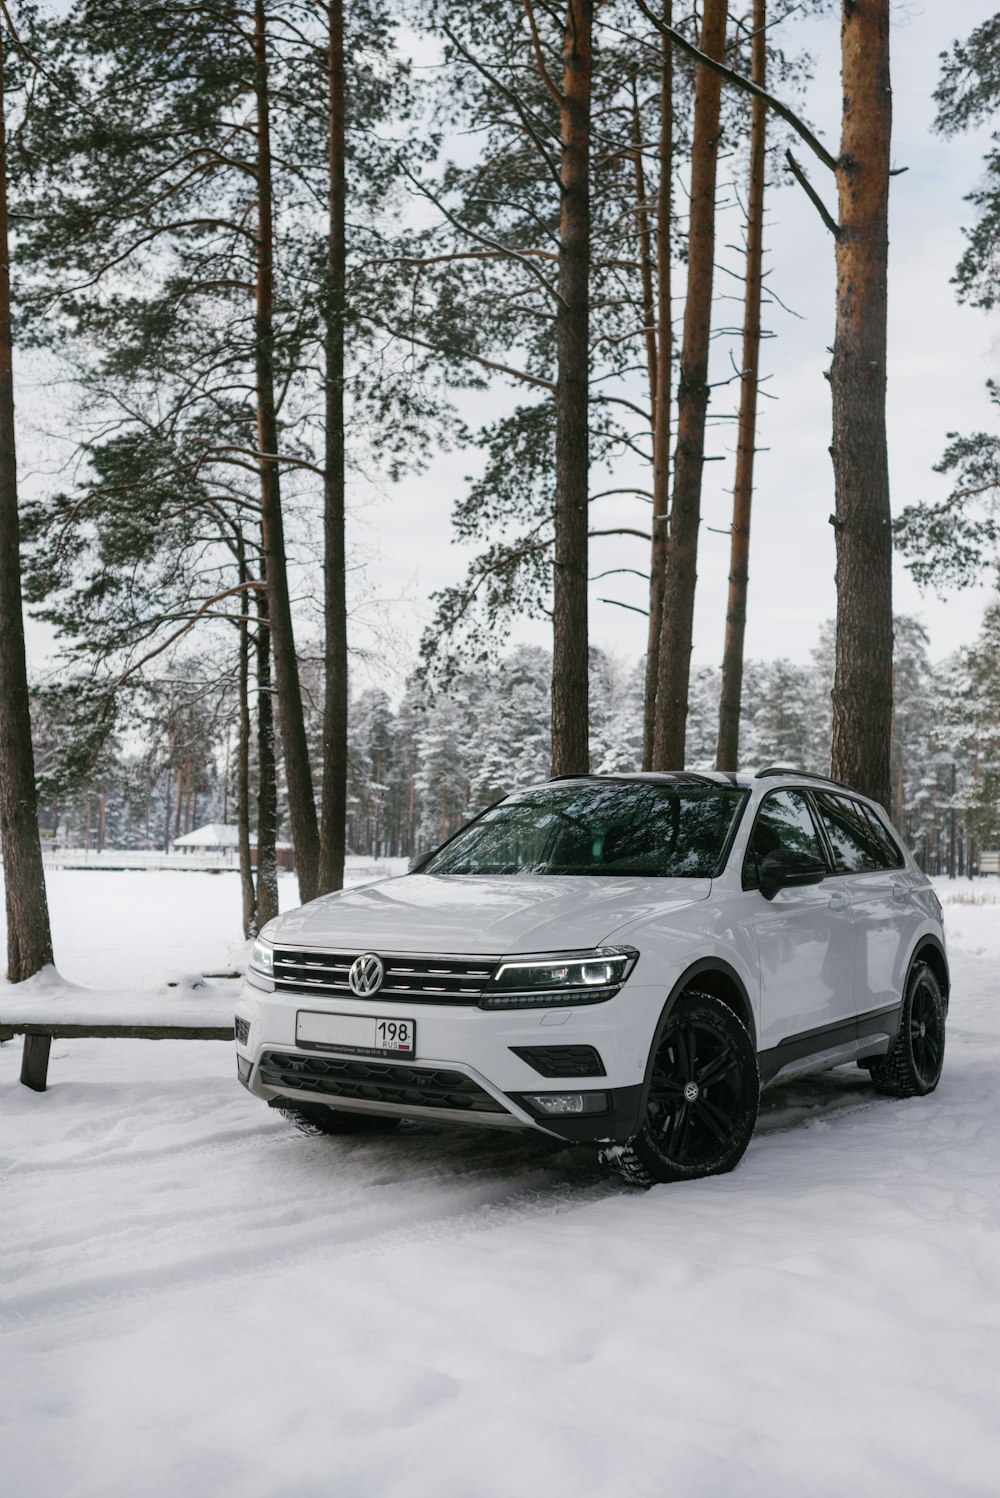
x=891, y=853
x=598, y=827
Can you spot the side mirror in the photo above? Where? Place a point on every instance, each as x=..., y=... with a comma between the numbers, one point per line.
x=417, y=863
x=786, y=868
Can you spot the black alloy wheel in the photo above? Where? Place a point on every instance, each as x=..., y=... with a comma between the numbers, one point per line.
x=912, y=1065
x=702, y=1096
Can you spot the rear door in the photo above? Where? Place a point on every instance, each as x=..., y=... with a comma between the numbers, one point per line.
x=805, y=941
x=868, y=866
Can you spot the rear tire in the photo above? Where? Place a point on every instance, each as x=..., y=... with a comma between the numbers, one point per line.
x=702, y=1097
x=317, y=1118
x=912, y=1065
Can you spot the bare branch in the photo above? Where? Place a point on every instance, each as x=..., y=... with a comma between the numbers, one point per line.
x=782, y=110
x=813, y=196
x=190, y=624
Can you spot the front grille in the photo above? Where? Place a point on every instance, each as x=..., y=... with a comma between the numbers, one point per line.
x=242, y=1030
x=376, y=1082
x=562, y=1060
x=428, y=980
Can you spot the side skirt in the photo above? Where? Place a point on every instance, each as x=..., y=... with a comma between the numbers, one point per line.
x=868, y=1034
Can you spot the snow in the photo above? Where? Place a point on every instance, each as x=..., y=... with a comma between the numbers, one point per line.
x=212, y=835
x=196, y=1298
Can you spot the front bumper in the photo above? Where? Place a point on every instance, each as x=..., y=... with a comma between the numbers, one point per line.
x=466, y=1069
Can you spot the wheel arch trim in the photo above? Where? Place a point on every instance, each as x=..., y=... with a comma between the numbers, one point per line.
x=929, y=942
x=707, y=968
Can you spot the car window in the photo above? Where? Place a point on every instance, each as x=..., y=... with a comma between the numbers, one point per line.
x=598, y=827
x=783, y=821
x=855, y=849
x=892, y=858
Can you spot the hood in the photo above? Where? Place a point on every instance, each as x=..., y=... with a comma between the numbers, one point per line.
x=482, y=914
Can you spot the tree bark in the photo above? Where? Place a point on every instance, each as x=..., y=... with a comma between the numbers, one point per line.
x=29, y=938
x=570, y=689
x=335, y=700
x=243, y=762
x=674, y=666
x=267, y=791
x=301, y=804
x=862, y=689
x=727, y=751
x=660, y=391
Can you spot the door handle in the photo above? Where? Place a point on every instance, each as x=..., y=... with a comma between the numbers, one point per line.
x=899, y=890
x=838, y=901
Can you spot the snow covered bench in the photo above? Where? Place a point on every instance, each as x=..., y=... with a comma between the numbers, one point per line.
x=47, y=1008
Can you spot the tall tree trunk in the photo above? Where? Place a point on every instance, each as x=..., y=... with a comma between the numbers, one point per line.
x=728, y=748
x=660, y=390
x=570, y=689
x=243, y=761
x=674, y=666
x=862, y=687
x=335, y=706
x=267, y=790
x=301, y=804
x=29, y=938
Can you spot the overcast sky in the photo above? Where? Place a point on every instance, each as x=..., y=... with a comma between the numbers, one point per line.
x=940, y=355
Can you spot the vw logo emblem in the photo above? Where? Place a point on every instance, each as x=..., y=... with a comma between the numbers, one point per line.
x=366, y=974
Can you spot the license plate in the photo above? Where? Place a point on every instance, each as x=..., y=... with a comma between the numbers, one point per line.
x=361, y=1034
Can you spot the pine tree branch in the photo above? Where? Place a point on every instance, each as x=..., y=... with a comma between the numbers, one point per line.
x=619, y=605
x=483, y=239
x=190, y=624
x=782, y=110
x=507, y=369
x=813, y=195
x=512, y=98
x=536, y=43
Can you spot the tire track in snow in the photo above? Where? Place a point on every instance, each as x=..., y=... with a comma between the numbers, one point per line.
x=365, y=1226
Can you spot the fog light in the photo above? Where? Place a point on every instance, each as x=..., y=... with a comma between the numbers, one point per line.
x=562, y=1103
x=244, y=1068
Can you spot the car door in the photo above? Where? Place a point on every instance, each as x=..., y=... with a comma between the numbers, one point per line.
x=867, y=867
x=805, y=942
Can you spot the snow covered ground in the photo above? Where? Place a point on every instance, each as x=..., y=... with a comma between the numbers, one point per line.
x=196, y=1299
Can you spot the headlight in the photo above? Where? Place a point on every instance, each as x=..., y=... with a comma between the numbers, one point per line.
x=262, y=959
x=559, y=978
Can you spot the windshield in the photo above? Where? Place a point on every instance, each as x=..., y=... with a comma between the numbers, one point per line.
x=607, y=827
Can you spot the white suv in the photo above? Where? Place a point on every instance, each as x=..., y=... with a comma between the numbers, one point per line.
x=619, y=958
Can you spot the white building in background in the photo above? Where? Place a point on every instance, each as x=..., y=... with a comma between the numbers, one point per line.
x=216, y=837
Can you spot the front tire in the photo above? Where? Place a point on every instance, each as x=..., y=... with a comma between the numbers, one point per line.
x=317, y=1118
x=702, y=1097
x=912, y=1065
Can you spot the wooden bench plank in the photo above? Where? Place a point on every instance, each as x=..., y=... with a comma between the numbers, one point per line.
x=38, y=1041
x=59, y=1031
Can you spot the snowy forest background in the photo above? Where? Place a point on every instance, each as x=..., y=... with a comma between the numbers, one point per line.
x=248, y=312
x=420, y=766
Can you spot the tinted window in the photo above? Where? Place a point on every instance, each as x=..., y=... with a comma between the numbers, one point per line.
x=783, y=821
x=892, y=858
x=855, y=850
x=609, y=827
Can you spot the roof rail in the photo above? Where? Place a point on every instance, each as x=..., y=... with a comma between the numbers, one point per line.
x=690, y=776
x=802, y=775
